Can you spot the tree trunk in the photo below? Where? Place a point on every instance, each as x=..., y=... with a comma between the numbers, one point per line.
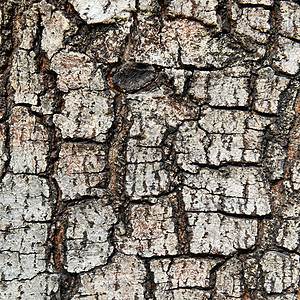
x=149, y=149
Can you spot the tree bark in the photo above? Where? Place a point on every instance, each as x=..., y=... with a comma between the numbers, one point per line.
x=149, y=149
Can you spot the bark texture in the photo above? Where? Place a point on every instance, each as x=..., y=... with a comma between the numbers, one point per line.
x=149, y=149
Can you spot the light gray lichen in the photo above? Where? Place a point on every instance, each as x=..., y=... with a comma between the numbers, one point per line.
x=87, y=236
x=214, y=233
x=151, y=230
x=233, y=190
x=80, y=169
x=86, y=115
x=280, y=271
x=123, y=277
x=29, y=142
x=103, y=11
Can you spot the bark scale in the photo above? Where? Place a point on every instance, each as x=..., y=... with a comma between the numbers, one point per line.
x=149, y=149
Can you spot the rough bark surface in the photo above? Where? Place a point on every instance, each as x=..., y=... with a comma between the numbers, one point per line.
x=149, y=149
